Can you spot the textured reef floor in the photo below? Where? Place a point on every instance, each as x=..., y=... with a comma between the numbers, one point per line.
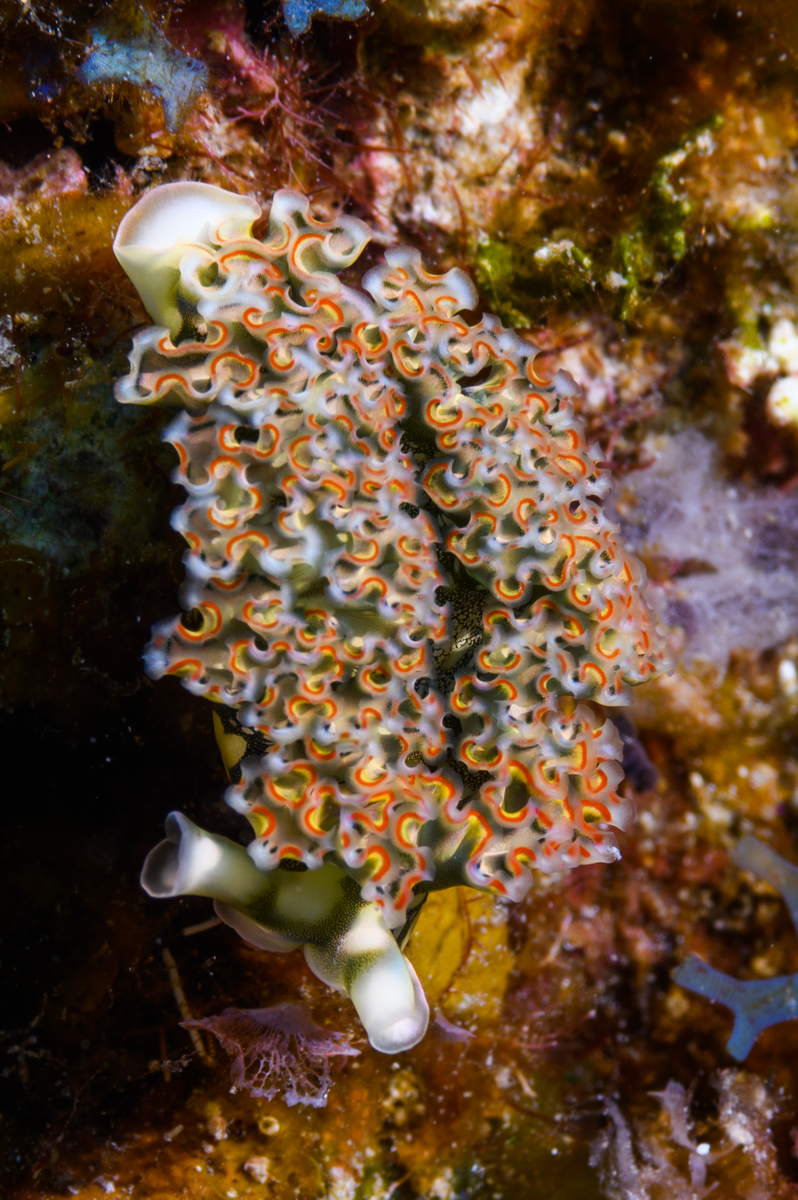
x=619, y=180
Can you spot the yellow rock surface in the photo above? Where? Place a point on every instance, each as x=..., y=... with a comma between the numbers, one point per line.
x=460, y=952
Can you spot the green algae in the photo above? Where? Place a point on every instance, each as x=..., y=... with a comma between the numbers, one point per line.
x=518, y=280
x=661, y=235
x=517, y=286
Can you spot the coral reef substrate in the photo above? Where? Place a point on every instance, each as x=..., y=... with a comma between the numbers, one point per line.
x=618, y=180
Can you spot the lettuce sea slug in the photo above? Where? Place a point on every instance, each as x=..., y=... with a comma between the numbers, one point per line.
x=401, y=589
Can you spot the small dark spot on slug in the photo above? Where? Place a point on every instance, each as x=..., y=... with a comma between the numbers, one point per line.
x=193, y=620
x=244, y=434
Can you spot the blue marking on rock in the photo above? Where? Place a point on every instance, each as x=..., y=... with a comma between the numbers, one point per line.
x=145, y=58
x=756, y=1003
x=299, y=13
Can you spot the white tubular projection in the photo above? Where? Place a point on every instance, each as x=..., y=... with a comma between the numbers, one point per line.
x=361, y=958
x=192, y=862
x=154, y=235
x=381, y=983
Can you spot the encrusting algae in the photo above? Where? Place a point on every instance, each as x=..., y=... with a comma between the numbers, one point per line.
x=619, y=181
x=402, y=590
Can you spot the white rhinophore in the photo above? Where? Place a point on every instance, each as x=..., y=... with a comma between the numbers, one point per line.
x=380, y=981
x=192, y=862
x=155, y=234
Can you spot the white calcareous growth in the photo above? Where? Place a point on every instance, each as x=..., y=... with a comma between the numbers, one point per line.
x=746, y=363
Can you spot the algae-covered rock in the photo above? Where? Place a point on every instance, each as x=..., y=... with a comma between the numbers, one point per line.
x=617, y=179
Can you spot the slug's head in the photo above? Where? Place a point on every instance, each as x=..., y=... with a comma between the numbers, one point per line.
x=155, y=234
